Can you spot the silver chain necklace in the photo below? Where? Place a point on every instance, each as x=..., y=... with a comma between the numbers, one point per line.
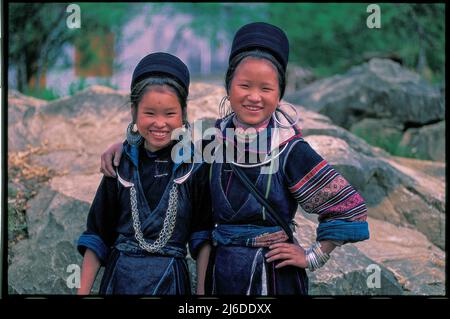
x=168, y=226
x=169, y=220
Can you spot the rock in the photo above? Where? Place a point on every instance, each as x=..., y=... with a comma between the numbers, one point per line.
x=367, y=56
x=80, y=187
x=426, y=142
x=96, y=100
x=421, y=203
x=431, y=168
x=204, y=100
x=40, y=263
x=418, y=265
x=21, y=110
x=378, y=101
x=312, y=123
x=297, y=78
x=347, y=272
x=393, y=192
x=78, y=128
x=385, y=133
x=378, y=89
x=71, y=133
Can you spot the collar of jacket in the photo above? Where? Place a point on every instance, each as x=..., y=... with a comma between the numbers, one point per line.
x=132, y=153
x=279, y=137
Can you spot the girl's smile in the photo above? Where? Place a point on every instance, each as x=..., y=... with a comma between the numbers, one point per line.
x=159, y=134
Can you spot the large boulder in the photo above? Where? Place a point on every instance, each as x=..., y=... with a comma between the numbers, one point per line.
x=204, y=100
x=297, y=78
x=408, y=262
x=348, y=270
x=380, y=100
x=393, y=192
x=417, y=264
x=380, y=88
x=71, y=133
x=40, y=264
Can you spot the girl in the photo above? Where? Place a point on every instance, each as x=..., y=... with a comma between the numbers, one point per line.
x=254, y=203
x=139, y=224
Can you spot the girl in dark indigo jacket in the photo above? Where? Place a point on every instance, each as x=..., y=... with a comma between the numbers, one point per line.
x=139, y=223
x=252, y=254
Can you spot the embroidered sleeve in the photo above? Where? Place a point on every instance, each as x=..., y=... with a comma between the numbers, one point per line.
x=320, y=189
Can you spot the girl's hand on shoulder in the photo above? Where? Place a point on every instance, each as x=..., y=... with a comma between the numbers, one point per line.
x=114, y=152
x=289, y=254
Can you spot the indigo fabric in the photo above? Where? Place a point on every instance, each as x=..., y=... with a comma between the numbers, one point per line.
x=303, y=178
x=110, y=233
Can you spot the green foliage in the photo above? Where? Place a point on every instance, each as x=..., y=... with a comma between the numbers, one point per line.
x=47, y=94
x=387, y=140
x=331, y=37
x=327, y=37
x=77, y=86
x=107, y=16
x=335, y=36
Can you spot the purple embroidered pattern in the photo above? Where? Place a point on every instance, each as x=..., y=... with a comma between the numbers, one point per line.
x=325, y=192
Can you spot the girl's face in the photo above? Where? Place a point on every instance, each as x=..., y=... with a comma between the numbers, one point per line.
x=254, y=91
x=158, y=114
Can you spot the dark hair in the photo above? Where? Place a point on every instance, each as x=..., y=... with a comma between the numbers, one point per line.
x=258, y=54
x=143, y=86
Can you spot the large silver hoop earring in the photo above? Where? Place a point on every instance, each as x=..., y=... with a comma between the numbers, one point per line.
x=224, y=108
x=287, y=116
x=133, y=136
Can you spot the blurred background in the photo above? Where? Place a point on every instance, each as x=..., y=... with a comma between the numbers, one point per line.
x=49, y=60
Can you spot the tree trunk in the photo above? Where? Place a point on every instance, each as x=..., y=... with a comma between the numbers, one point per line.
x=32, y=68
x=22, y=75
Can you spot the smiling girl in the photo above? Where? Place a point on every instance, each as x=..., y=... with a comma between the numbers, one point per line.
x=254, y=251
x=139, y=223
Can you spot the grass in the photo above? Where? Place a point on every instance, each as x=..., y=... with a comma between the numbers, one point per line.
x=387, y=140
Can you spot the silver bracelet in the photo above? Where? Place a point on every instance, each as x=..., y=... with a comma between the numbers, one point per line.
x=315, y=257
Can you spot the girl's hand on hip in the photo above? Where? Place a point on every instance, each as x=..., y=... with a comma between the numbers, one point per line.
x=289, y=254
